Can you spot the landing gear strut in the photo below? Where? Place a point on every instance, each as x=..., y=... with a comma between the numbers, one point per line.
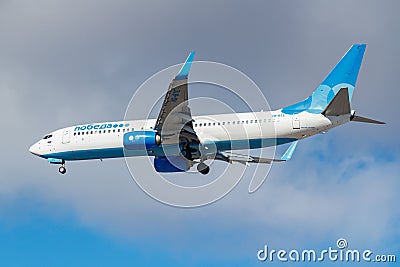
x=203, y=168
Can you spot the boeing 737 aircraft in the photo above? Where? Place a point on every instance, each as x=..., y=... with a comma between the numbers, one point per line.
x=177, y=140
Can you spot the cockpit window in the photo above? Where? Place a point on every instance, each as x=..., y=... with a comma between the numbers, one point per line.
x=48, y=136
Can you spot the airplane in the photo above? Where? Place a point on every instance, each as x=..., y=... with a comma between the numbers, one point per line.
x=178, y=141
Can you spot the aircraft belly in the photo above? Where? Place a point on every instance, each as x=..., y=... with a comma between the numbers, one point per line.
x=239, y=137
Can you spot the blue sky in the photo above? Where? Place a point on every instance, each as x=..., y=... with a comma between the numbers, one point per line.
x=73, y=62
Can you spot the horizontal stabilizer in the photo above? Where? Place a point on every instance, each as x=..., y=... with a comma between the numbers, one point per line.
x=246, y=159
x=339, y=105
x=289, y=152
x=366, y=120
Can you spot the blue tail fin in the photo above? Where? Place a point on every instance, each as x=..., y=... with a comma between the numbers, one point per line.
x=344, y=75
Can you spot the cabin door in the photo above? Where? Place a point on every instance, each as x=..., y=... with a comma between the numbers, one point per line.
x=296, y=121
x=66, y=136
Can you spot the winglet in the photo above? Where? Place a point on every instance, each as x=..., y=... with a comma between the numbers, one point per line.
x=289, y=152
x=184, y=72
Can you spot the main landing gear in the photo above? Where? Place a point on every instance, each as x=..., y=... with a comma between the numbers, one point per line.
x=203, y=168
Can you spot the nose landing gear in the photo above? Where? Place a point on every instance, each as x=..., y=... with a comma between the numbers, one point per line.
x=62, y=169
x=61, y=162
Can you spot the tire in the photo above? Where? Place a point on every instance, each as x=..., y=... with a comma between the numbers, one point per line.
x=62, y=170
x=203, y=168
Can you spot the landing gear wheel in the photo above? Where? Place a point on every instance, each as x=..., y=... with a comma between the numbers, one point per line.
x=62, y=170
x=203, y=168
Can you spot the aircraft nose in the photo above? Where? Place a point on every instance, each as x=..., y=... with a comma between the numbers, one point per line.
x=34, y=149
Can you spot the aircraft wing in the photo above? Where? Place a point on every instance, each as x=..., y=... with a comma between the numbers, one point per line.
x=247, y=159
x=174, y=123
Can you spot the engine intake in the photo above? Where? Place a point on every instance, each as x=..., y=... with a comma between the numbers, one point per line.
x=141, y=140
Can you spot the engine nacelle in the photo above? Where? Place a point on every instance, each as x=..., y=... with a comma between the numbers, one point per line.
x=141, y=140
x=171, y=164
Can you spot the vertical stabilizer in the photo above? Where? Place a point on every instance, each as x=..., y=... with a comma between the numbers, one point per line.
x=340, y=104
x=343, y=75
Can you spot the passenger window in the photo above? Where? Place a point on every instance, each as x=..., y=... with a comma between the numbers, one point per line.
x=214, y=124
x=114, y=131
x=74, y=133
x=109, y=131
x=251, y=121
x=219, y=123
x=229, y=122
x=195, y=125
x=91, y=132
x=118, y=130
x=223, y=123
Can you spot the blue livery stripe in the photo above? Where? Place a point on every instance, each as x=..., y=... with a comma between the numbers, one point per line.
x=118, y=152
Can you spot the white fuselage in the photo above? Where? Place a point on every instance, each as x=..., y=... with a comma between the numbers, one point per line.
x=226, y=131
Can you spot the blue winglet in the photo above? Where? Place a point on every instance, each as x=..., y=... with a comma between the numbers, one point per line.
x=184, y=72
x=288, y=154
